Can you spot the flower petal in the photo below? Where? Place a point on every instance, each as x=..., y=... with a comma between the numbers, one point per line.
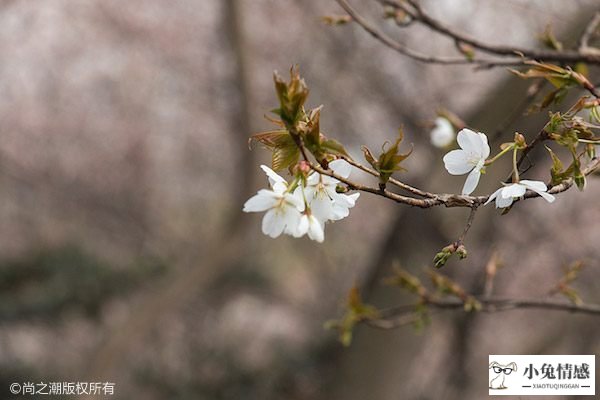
x=296, y=199
x=471, y=182
x=272, y=175
x=315, y=230
x=300, y=229
x=540, y=188
x=329, y=181
x=513, y=190
x=313, y=179
x=279, y=187
x=322, y=207
x=341, y=167
x=503, y=202
x=492, y=196
x=261, y=201
x=469, y=140
x=456, y=162
x=546, y=196
x=534, y=185
x=354, y=196
x=273, y=223
x=485, y=147
x=342, y=199
x=291, y=218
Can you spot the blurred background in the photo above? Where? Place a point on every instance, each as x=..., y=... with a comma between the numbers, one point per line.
x=124, y=165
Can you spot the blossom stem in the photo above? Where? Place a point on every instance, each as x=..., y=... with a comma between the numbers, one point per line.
x=497, y=156
x=292, y=186
x=515, y=166
x=589, y=141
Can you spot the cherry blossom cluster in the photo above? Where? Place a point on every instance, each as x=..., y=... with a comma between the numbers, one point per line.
x=303, y=206
x=471, y=159
x=320, y=166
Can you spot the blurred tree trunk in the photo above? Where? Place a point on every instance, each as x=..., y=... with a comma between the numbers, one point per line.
x=194, y=270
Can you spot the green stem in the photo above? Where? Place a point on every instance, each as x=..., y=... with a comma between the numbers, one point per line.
x=589, y=141
x=515, y=167
x=497, y=156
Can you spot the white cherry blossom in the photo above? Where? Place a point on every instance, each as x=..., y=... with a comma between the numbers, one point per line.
x=443, y=133
x=507, y=194
x=309, y=224
x=302, y=208
x=474, y=150
x=283, y=209
x=324, y=201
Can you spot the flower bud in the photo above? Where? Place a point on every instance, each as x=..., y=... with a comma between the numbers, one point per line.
x=520, y=140
x=461, y=251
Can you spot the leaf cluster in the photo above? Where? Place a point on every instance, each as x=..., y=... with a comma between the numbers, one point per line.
x=356, y=311
x=568, y=130
x=297, y=127
x=389, y=160
x=561, y=78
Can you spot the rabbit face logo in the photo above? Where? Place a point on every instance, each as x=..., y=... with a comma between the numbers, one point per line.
x=500, y=372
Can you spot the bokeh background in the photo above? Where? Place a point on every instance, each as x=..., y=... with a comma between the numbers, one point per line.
x=124, y=164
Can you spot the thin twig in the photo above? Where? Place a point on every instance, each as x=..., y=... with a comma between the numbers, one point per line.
x=393, y=181
x=470, y=220
x=400, y=48
x=417, y=13
x=398, y=316
x=520, y=109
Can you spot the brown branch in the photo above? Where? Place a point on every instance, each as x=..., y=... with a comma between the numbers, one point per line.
x=416, y=12
x=448, y=200
x=393, y=181
x=398, y=316
x=402, y=49
x=532, y=92
x=470, y=220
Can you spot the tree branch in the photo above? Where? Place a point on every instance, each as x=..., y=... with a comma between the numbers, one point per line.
x=470, y=220
x=393, y=181
x=400, y=48
x=403, y=315
x=432, y=200
x=417, y=13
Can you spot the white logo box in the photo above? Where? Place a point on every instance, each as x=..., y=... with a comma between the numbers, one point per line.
x=532, y=375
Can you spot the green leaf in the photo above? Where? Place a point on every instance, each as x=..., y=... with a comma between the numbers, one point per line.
x=285, y=151
x=285, y=157
x=369, y=157
x=557, y=172
x=559, y=77
x=334, y=147
x=292, y=97
x=356, y=312
x=554, y=97
x=389, y=161
x=315, y=141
